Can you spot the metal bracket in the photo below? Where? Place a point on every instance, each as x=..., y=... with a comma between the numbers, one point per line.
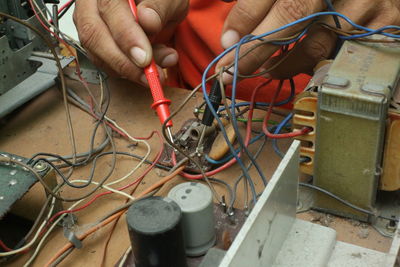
x=36, y=84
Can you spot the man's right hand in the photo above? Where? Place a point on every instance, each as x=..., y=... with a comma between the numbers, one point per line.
x=118, y=44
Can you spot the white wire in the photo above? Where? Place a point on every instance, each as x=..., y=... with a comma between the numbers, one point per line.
x=56, y=222
x=21, y=249
x=107, y=188
x=134, y=140
x=32, y=258
x=122, y=262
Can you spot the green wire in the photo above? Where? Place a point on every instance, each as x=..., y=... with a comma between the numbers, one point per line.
x=270, y=122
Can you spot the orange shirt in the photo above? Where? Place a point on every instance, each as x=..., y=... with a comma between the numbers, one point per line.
x=197, y=40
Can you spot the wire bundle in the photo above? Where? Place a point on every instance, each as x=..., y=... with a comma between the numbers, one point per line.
x=97, y=108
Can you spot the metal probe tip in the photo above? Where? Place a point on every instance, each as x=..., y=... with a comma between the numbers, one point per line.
x=170, y=134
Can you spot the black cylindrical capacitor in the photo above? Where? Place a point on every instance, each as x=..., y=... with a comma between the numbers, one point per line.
x=155, y=230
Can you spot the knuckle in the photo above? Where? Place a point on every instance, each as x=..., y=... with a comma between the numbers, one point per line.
x=88, y=34
x=291, y=10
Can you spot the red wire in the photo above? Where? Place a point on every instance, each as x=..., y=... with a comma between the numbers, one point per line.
x=247, y=140
x=61, y=9
x=119, y=189
x=4, y=246
x=303, y=131
x=78, y=68
x=64, y=6
x=248, y=133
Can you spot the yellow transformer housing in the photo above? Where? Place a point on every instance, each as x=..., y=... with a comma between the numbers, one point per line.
x=352, y=112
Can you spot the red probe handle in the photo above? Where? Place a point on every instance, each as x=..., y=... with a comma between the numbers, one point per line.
x=160, y=104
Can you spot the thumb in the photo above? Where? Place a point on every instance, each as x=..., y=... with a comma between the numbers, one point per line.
x=243, y=18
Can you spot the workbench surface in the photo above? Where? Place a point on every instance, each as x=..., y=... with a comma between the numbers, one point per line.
x=41, y=126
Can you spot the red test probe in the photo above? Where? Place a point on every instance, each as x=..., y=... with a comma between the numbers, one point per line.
x=160, y=104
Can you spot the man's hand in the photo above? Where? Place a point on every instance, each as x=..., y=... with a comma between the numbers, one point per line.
x=260, y=16
x=118, y=44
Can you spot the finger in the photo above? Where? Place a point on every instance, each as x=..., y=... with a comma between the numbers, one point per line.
x=165, y=56
x=281, y=13
x=242, y=19
x=96, y=38
x=320, y=43
x=154, y=15
x=388, y=13
x=126, y=32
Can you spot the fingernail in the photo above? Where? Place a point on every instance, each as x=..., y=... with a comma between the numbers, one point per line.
x=226, y=77
x=229, y=38
x=138, y=55
x=143, y=79
x=170, y=60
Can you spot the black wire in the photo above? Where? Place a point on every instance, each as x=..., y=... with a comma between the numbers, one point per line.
x=331, y=8
x=345, y=202
x=66, y=9
x=86, y=160
x=339, y=41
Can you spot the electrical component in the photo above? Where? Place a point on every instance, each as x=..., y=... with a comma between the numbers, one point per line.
x=305, y=108
x=155, y=229
x=160, y=104
x=215, y=99
x=390, y=180
x=352, y=110
x=195, y=201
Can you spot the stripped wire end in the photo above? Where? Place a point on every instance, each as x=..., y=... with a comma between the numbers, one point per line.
x=171, y=137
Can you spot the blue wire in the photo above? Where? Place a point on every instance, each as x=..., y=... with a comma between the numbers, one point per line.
x=293, y=40
x=378, y=31
x=247, y=39
x=263, y=104
x=277, y=131
x=233, y=110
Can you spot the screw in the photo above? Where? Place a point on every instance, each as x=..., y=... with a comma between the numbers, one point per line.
x=12, y=182
x=40, y=166
x=391, y=225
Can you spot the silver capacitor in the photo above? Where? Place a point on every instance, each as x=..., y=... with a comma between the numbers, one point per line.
x=195, y=201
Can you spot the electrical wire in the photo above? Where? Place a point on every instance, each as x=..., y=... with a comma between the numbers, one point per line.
x=233, y=119
x=277, y=131
x=295, y=133
x=114, y=216
x=65, y=8
x=347, y=203
x=28, y=245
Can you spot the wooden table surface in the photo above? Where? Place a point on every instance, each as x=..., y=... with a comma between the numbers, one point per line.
x=41, y=126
